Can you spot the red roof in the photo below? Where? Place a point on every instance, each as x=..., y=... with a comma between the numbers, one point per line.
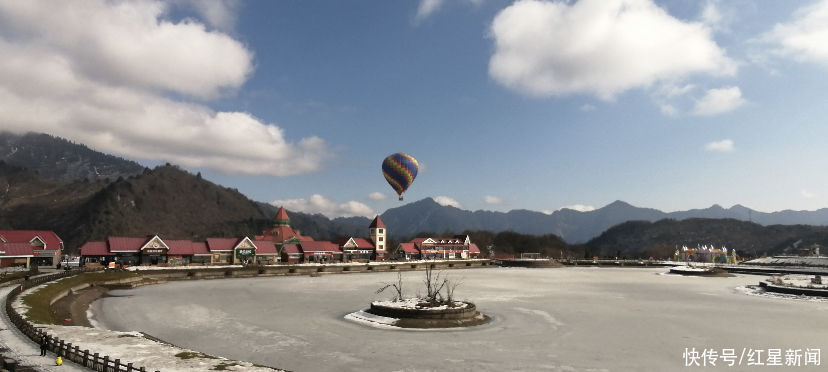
x=264, y=247
x=222, y=244
x=314, y=246
x=16, y=249
x=95, y=249
x=51, y=239
x=200, y=248
x=363, y=243
x=126, y=244
x=179, y=247
x=281, y=233
x=409, y=248
x=473, y=248
x=282, y=214
x=377, y=223
x=291, y=249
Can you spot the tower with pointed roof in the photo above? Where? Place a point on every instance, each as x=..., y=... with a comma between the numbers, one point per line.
x=281, y=232
x=378, y=235
x=282, y=218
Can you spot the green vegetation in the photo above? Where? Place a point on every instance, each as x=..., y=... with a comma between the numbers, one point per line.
x=224, y=366
x=38, y=302
x=12, y=276
x=193, y=355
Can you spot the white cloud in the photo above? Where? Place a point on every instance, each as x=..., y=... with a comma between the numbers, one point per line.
x=320, y=204
x=579, y=207
x=598, y=47
x=710, y=14
x=489, y=199
x=725, y=145
x=668, y=109
x=377, y=196
x=427, y=8
x=587, y=107
x=446, y=201
x=99, y=72
x=807, y=194
x=221, y=14
x=719, y=101
x=804, y=37
x=672, y=90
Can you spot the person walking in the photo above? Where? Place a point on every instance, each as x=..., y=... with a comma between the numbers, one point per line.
x=44, y=344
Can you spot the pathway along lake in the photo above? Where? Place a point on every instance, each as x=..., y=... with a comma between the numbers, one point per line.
x=566, y=319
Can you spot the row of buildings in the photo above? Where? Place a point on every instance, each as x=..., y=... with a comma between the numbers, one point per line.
x=29, y=248
x=279, y=243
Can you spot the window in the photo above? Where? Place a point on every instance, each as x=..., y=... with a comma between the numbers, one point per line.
x=380, y=238
x=379, y=231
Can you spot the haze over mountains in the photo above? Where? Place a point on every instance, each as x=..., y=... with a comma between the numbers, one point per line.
x=573, y=226
x=50, y=183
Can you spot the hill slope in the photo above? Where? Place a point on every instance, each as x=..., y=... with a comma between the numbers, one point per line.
x=661, y=238
x=165, y=201
x=57, y=159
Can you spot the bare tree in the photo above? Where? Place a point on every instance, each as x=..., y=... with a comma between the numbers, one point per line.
x=451, y=286
x=434, y=285
x=398, y=286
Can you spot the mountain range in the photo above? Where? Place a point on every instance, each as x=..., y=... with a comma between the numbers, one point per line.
x=572, y=226
x=50, y=183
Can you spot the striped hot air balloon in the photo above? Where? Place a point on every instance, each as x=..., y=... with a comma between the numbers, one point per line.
x=399, y=170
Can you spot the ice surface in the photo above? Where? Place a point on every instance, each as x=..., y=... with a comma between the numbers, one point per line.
x=563, y=319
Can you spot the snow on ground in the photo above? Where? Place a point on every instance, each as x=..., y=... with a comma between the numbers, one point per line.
x=804, y=261
x=801, y=281
x=755, y=290
x=373, y=320
x=308, y=264
x=414, y=303
x=22, y=349
x=690, y=269
x=130, y=347
x=564, y=319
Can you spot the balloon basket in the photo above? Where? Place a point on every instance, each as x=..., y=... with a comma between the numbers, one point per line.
x=401, y=198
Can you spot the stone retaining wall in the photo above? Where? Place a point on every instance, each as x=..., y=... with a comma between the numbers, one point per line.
x=189, y=273
x=470, y=311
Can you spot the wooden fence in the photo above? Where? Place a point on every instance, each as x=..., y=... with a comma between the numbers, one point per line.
x=86, y=358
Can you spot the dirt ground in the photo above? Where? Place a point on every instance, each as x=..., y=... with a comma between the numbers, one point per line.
x=71, y=310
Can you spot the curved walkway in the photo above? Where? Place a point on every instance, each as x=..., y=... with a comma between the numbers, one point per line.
x=23, y=350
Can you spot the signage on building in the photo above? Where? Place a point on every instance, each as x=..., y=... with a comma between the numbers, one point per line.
x=153, y=251
x=244, y=252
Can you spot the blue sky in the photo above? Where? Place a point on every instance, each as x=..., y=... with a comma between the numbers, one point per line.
x=507, y=105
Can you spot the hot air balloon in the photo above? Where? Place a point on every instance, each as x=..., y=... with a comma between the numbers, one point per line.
x=399, y=170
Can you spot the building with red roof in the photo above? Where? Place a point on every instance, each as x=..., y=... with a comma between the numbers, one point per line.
x=291, y=253
x=281, y=232
x=45, y=248
x=356, y=249
x=266, y=252
x=378, y=234
x=155, y=250
x=455, y=247
x=319, y=251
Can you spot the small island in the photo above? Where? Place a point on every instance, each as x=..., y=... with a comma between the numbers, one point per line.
x=711, y=271
x=437, y=309
x=800, y=285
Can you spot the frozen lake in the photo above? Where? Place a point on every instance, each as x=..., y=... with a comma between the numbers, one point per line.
x=566, y=319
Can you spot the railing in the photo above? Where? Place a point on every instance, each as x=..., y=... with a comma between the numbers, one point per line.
x=86, y=358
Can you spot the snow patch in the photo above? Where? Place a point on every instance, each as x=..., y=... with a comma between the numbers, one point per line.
x=555, y=323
